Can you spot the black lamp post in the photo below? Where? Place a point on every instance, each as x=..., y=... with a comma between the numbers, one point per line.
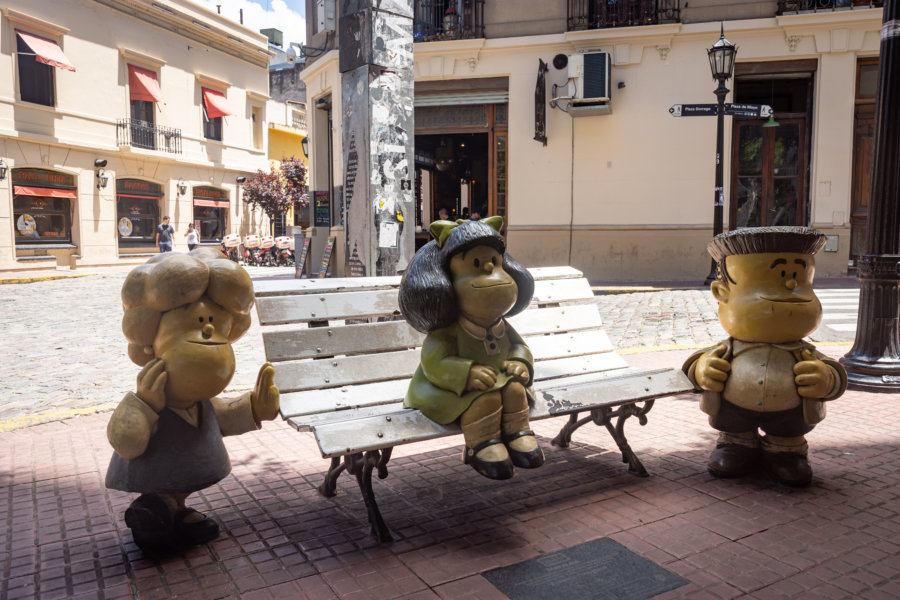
x=721, y=63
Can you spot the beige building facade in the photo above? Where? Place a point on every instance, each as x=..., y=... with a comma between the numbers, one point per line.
x=116, y=113
x=623, y=189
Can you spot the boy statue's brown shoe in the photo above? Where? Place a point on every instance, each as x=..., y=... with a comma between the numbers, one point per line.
x=733, y=460
x=788, y=468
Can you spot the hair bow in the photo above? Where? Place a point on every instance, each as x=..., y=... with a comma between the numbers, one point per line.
x=441, y=230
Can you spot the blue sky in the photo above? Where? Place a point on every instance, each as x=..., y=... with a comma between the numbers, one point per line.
x=286, y=15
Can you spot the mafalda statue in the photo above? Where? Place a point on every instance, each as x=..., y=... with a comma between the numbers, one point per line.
x=474, y=366
x=765, y=376
x=182, y=313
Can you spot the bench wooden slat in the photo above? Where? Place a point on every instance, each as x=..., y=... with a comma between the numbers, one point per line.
x=294, y=343
x=292, y=376
x=316, y=342
x=290, y=309
x=345, y=370
x=277, y=287
x=317, y=399
x=568, y=317
x=340, y=305
x=407, y=426
x=380, y=406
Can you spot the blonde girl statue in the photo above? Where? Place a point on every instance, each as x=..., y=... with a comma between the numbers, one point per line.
x=182, y=313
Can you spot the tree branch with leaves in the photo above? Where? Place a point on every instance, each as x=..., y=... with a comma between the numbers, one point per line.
x=275, y=192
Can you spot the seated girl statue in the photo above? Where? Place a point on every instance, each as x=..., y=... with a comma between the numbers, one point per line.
x=474, y=366
x=182, y=313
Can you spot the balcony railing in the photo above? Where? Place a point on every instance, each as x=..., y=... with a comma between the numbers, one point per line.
x=448, y=20
x=141, y=134
x=603, y=14
x=798, y=6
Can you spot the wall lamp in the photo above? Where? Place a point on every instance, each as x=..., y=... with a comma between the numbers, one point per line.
x=3, y=168
x=304, y=145
x=102, y=177
x=182, y=187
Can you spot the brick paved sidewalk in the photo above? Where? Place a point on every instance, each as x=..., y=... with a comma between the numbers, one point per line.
x=63, y=535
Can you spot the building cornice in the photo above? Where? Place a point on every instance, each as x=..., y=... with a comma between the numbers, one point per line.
x=145, y=60
x=33, y=23
x=200, y=25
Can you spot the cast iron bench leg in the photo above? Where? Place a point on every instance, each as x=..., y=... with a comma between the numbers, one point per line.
x=328, y=486
x=604, y=416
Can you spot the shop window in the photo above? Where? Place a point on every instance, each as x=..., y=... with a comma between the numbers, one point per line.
x=137, y=212
x=35, y=78
x=212, y=128
x=210, y=213
x=210, y=222
x=42, y=220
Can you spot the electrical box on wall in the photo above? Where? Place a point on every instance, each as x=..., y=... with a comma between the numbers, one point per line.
x=590, y=73
x=325, y=15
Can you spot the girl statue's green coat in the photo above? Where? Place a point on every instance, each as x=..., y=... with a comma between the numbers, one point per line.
x=437, y=388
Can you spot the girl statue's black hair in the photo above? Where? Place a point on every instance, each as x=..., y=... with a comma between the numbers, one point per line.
x=427, y=298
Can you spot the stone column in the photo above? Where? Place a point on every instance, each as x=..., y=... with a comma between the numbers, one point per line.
x=873, y=364
x=376, y=65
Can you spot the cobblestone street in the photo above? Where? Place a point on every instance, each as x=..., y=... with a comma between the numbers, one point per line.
x=64, y=352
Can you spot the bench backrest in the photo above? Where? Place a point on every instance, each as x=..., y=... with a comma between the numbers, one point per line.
x=341, y=343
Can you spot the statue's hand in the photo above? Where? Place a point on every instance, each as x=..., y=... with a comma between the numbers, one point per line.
x=712, y=370
x=518, y=371
x=151, y=384
x=264, y=401
x=480, y=378
x=814, y=378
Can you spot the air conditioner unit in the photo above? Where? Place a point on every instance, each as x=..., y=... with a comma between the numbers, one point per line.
x=590, y=73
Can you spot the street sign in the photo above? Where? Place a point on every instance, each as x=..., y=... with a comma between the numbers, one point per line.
x=748, y=110
x=733, y=110
x=693, y=110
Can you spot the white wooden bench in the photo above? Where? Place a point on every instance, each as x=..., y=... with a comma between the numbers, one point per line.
x=343, y=358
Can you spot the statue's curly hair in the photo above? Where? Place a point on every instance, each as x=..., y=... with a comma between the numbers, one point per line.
x=174, y=279
x=427, y=298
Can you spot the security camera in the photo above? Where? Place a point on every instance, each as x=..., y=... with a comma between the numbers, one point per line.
x=100, y=163
x=240, y=179
x=291, y=54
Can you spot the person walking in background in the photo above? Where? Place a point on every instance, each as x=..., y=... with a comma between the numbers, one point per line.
x=193, y=240
x=164, y=233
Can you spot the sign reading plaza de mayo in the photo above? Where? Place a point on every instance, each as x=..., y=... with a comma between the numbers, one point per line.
x=733, y=110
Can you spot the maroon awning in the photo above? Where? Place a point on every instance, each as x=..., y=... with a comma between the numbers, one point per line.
x=22, y=190
x=143, y=84
x=46, y=51
x=215, y=104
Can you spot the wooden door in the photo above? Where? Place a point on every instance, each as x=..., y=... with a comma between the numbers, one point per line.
x=863, y=155
x=769, y=166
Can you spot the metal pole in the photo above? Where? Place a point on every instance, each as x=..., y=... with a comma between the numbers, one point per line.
x=719, y=194
x=873, y=364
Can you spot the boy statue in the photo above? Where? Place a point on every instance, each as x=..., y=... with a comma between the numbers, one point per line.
x=765, y=376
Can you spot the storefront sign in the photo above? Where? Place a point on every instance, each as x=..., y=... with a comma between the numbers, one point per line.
x=211, y=193
x=138, y=187
x=322, y=209
x=42, y=178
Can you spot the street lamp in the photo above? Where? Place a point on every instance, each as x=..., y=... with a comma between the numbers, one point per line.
x=721, y=63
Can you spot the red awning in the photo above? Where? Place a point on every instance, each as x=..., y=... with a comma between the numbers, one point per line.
x=21, y=190
x=143, y=84
x=46, y=51
x=215, y=104
x=137, y=196
x=216, y=203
